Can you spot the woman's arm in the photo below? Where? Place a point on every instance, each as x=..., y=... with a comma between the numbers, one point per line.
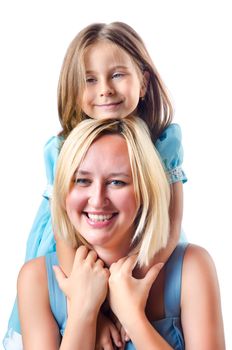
x=201, y=313
x=175, y=214
x=38, y=327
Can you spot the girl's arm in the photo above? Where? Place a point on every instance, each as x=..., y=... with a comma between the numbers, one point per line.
x=88, y=274
x=201, y=313
x=175, y=214
x=66, y=254
x=128, y=298
x=108, y=334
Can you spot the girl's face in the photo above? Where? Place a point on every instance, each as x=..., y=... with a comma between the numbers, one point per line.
x=101, y=203
x=113, y=83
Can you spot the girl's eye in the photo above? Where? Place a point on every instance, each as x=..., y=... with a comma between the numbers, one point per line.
x=117, y=183
x=117, y=75
x=82, y=182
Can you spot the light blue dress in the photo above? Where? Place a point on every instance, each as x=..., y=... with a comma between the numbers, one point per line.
x=41, y=239
x=168, y=327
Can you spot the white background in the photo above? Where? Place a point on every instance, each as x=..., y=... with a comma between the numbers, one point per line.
x=190, y=43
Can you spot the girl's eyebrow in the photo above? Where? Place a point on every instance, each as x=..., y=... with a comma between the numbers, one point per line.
x=89, y=71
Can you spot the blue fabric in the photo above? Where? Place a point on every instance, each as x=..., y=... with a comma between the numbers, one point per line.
x=56, y=296
x=169, y=327
x=169, y=147
x=41, y=238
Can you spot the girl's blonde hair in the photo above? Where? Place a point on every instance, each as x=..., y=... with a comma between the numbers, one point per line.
x=155, y=108
x=150, y=183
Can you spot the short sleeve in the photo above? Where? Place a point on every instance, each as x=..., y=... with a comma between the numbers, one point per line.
x=51, y=152
x=169, y=147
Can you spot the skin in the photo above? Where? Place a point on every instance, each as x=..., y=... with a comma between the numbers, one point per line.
x=201, y=318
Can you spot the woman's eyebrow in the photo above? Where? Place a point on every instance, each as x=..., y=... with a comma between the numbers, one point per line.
x=113, y=174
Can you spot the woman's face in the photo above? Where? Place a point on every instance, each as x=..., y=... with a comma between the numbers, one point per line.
x=113, y=83
x=101, y=203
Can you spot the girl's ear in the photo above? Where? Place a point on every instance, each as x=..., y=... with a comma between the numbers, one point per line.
x=144, y=84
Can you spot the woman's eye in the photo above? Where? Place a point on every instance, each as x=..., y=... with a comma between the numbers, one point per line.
x=117, y=183
x=82, y=182
x=90, y=80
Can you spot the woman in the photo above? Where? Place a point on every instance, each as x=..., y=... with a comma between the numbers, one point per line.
x=111, y=201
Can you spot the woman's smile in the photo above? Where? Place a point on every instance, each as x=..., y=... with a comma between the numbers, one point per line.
x=101, y=203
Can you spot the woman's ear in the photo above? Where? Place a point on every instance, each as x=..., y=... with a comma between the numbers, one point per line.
x=144, y=84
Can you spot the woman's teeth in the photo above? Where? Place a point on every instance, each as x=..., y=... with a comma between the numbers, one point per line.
x=94, y=217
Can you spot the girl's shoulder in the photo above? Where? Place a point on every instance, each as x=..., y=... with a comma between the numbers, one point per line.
x=172, y=133
x=53, y=144
x=170, y=149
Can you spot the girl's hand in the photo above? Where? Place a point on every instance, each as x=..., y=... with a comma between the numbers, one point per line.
x=128, y=295
x=87, y=285
x=108, y=335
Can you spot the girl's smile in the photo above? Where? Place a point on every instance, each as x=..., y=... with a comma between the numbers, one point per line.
x=110, y=76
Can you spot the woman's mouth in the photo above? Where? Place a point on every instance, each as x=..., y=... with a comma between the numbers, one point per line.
x=101, y=217
x=100, y=220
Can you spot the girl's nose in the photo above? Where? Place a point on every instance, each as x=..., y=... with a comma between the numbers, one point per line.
x=98, y=198
x=106, y=90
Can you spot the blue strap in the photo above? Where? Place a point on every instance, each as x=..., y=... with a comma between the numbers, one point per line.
x=173, y=278
x=56, y=296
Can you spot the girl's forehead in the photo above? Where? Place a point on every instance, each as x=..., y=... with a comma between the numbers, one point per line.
x=108, y=50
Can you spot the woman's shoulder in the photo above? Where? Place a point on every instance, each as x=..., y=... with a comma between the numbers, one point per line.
x=197, y=255
x=32, y=274
x=198, y=270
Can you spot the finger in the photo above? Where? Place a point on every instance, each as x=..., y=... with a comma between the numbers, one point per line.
x=115, y=335
x=129, y=264
x=60, y=276
x=152, y=274
x=117, y=264
x=81, y=254
x=124, y=335
x=91, y=257
x=100, y=263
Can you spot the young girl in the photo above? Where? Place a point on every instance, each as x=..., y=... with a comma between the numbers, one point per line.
x=108, y=73
x=116, y=212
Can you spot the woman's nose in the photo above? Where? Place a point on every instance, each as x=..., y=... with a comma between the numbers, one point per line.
x=98, y=198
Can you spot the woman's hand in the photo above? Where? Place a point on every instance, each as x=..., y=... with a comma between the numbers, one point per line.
x=128, y=295
x=87, y=285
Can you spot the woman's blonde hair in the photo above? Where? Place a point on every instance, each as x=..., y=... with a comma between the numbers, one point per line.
x=151, y=186
x=155, y=108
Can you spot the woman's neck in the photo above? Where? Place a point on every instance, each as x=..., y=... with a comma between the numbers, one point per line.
x=111, y=256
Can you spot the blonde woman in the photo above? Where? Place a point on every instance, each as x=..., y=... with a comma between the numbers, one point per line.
x=111, y=203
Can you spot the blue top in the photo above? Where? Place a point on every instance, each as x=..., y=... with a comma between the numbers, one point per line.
x=41, y=239
x=169, y=327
